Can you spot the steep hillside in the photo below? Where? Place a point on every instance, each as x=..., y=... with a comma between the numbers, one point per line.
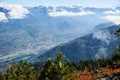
x=99, y=44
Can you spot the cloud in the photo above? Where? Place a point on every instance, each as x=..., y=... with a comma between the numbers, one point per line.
x=67, y=13
x=112, y=12
x=15, y=11
x=3, y=18
x=18, y=12
x=113, y=18
x=103, y=35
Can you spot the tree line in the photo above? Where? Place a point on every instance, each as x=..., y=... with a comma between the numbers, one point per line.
x=56, y=70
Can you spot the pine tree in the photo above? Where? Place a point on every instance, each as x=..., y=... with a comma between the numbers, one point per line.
x=116, y=55
x=2, y=77
x=21, y=71
x=117, y=33
x=54, y=70
x=60, y=60
x=47, y=73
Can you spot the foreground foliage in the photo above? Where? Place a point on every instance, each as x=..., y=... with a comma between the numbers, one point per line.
x=21, y=71
x=54, y=70
x=65, y=70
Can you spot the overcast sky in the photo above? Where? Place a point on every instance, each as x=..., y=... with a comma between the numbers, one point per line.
x=84, y=3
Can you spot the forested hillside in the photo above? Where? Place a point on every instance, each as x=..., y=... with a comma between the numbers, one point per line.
x=97, y=45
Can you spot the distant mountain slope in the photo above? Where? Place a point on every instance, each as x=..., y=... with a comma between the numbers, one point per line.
x=34, y=30
x=99, y=44
x=27, y=32
x=102, y=26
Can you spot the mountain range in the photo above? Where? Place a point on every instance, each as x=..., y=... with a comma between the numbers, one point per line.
x=29, y=32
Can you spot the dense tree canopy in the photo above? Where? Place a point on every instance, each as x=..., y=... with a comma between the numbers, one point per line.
x=21, y=71
x=116, y=53
x=54, y=70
